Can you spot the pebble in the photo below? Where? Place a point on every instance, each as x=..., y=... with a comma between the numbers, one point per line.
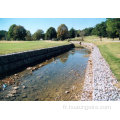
x=15, y=88
x=66, y=92
x=29, y=68
x=99, y=79
x=9, y=95
x=24, y=96
x=13, y=91
x=23, y=87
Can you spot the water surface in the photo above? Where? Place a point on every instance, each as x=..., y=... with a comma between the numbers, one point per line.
x=61, y=78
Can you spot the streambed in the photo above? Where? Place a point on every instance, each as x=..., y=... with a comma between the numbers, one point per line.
x=60, y=78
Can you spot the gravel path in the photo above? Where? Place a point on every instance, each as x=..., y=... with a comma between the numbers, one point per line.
x=99, y=82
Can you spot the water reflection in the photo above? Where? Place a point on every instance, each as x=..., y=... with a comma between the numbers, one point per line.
x=60, y=78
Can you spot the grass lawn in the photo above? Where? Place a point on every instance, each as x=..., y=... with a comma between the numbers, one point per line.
x=97, y=39
x=7, y=47
x=92, y=38
x=111, y=52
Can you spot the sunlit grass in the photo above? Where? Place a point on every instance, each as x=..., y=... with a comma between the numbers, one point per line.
x=111, y=52
x=7, y=47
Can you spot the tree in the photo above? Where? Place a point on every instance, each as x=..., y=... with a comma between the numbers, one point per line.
x=113, y=27
x=100, y=30
x=19, y=33
x=88, y=31
x=50, y=34
x=16, y=32
x=28, y=35
x=10, y=35
x=62, y=32
x=94, y=31
x=82, y=33
x=117, y=26
x=72, y=33
x=78, y=33
x=39, y=34
x=3, y=35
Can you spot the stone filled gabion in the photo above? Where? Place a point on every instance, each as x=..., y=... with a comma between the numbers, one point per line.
x=99, y=82
x=15, y=61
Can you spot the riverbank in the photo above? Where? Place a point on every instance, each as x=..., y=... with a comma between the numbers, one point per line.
x=58, y=79
x=99, y=82
x=9, y=47
x=12, y=63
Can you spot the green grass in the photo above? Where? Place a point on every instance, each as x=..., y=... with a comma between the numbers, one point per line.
x=94, y=38
x=111, y=52
x=7, y=47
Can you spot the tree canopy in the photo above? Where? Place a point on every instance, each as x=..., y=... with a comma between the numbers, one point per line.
x=28, y=35
x=113, y=27
x=11, y=32
x=51, y=34
x=72, y=33
x=88, y=31
x=3, y=35
x=16, y=32
x=39, y=34
x=100, y=30
x=110, y=28
x=62, y=32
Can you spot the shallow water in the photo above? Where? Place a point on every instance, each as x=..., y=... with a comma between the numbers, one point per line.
x=61, y=78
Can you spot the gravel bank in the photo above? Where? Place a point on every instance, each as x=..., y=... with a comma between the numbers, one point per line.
x=99, y=82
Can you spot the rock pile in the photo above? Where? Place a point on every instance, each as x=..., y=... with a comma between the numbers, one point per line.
x=99, y=82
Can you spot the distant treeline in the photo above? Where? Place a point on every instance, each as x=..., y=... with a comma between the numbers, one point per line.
x=110, y=28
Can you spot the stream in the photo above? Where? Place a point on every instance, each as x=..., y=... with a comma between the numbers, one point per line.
x=58, y=79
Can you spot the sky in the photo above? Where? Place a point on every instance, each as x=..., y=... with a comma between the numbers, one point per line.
x=33, y=24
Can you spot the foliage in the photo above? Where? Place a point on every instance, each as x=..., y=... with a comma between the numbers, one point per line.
x=100, y=30
x=110, y=28
x=28, y=36
x=16, y=32
x=88, y=31
x=3, y=35
x=19, y=33
x=82, y=33
x=11, y=32
x=113, y=27
x=39, y=34
x=78, y=33
x=62, y=32
x=72, y=33
x=51, y=34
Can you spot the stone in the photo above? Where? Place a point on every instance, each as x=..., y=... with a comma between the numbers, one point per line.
x=24, y=96
x=9, y=95
x=13, y=91
x=29, y=68
x=15, y=88
x=23, y=86
x=99, y=80
x=66, y=92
